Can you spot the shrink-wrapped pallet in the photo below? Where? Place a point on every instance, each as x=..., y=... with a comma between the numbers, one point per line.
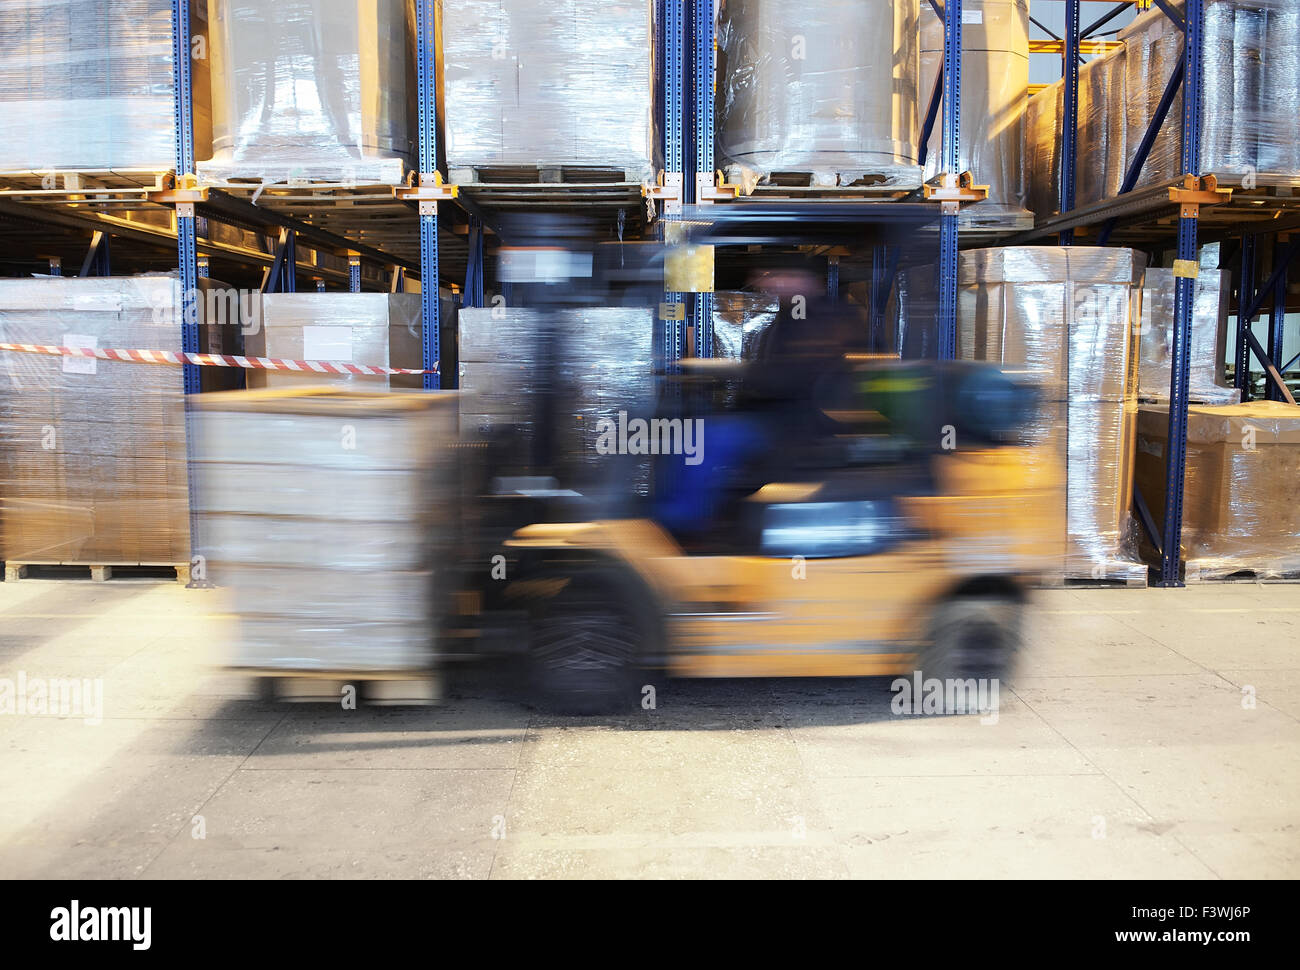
x=93, y=469
x=826, y=91
x=313, y=90
x=1250, y=105
x=1066, y=317
x=568, y=84
x=378, y=329
x=325, y=511
x=516, y=372
x=87, y=85
x=1241, y=494
x=1210, y=298
x=995, y=84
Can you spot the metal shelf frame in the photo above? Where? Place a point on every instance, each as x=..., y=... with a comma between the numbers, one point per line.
x=1146, y=214
x=689, y=159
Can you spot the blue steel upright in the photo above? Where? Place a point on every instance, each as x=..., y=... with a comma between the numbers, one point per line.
x=1070, y=116
x=188, y=258
x=1176, y=450
x=701, y=31
x=1245, y=293
x=951, y=167
x=426, y=64
x=1277, y=319
x=673, y=24
x=186, y=231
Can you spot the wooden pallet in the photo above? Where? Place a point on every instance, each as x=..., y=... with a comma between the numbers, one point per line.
x=1197, y=575
x=380, y=688
x=540, y=175
x=1114, y=575
x=97, y=572
x=80, y=186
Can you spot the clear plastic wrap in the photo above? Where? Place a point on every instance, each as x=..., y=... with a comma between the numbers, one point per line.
x=1042, y=160
x=1103, y=127
x=314, y=90
x=739, y=322
x=1206, y=383
x=1250, y=111
x=567, y=83
x=1064, y=316
x=381, y=329
x=1240, y=512
x=322, y=510
x=603, y=365
x=829, y=90
x=994, y=80
x=87, y=84
x=93, y=451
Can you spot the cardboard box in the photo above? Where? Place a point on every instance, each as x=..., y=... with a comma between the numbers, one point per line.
x=1241, y=496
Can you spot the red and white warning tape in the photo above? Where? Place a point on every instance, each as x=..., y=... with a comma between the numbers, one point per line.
x=214, y=360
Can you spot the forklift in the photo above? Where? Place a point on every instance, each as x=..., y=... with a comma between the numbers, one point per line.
x=847, y=514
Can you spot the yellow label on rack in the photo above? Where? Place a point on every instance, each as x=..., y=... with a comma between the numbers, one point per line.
x=1188, y=269
x=672, y=311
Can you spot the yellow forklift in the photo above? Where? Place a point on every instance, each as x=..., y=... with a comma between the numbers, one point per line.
x=888, y=521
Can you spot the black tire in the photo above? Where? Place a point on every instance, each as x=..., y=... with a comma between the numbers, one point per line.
x=977, y=638
x=585, y=652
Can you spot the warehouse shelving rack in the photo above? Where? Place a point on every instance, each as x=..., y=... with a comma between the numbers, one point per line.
x=689, y=136
x=1196, y=208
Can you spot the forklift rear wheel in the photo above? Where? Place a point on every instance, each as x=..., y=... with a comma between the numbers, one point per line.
x=972, y=638
x=584, y=653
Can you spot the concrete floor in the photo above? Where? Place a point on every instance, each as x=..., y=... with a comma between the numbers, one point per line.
x=1123, y=750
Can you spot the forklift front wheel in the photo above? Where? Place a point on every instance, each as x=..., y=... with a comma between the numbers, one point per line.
x=973, y=637
x=584, y=654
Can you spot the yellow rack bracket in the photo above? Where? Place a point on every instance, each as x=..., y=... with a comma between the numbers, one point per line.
x=427, y=192
x=1196, y=192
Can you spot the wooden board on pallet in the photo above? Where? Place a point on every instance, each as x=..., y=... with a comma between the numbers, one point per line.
x=1108, y=575
x=372, y=687
x=97, y=572
x=1198, y=573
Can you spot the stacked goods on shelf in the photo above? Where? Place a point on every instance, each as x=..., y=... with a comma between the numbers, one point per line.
x=322, y=509
x=568, y=84
x=739, y=322
x=824, y=92
x=1250, y=107
x=1042, y=157
x=1103, y=126
x=1064, y=315
x=1250, y=111
x=1241, y=498
x=93, y=450
x=1206, y=383
x=314, y=90
x=527, y=374
x=379, y=329
x=87, y=85
x=995, y=86
x=1067, y=314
